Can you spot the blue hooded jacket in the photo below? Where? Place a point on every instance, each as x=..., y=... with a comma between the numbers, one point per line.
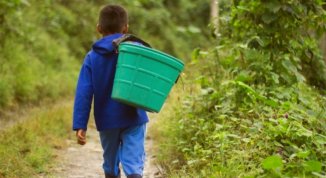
x=96, y=79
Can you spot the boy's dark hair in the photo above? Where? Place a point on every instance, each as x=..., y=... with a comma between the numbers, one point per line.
x=112, y=19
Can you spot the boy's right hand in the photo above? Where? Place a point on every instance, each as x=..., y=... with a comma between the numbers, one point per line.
x=81, y=136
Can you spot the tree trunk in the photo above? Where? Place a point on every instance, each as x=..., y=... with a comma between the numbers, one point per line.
x=215, y=15
x=323, y=46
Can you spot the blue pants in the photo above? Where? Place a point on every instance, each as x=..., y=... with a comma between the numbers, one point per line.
x=125, y=145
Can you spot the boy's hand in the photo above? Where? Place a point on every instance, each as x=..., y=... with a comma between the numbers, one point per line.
x=81, y=136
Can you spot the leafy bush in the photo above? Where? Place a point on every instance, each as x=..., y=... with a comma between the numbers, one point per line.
x=281, y=35
x=228, y=130
x=259, y=112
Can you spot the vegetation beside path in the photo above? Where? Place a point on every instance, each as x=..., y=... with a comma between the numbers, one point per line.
x=251, y=103
x=42, y=45
x=255, y=102
x=27, y=149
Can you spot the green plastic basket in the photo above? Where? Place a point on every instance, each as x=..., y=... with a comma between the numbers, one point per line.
x=144, y=76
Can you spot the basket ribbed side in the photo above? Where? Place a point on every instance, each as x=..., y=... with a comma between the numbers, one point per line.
x=142, y=80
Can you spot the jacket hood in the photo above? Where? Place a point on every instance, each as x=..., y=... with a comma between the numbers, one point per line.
x=104, y=45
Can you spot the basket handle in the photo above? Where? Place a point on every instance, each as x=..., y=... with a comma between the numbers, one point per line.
x=129, y=37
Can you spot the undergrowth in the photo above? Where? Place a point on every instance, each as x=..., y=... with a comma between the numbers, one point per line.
x=255, y=104
x=28, y=148
x=212, y=137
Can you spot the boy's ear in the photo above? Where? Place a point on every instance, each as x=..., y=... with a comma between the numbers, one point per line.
x=98, y=28
x=125, y=29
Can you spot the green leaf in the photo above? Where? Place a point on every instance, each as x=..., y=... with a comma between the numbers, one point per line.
x=289, y=66
x=195, y=54
x=233, y=136
x=181, y=29
x=300, y=77
x=243, y=76
x=270, y=102
x=273, y=6
x=256, y=39
x=313, y=166
x=272, y=162
x=303, y=154
x=25, y=2
x=193, y=29
x=318, y=175
x=275, y=77
x=268, y=18
x=243, y=8
x=246, y=87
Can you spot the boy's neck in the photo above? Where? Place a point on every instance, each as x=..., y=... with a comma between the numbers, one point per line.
x=108, y=34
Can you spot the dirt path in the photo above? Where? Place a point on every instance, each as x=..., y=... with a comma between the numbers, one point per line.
x=86, y=161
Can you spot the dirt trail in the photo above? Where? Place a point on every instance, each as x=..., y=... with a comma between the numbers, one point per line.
x=86, y=161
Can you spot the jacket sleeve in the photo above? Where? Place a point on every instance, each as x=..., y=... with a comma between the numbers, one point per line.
x=83, y=97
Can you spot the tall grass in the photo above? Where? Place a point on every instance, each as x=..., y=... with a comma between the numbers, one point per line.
x=27, y=149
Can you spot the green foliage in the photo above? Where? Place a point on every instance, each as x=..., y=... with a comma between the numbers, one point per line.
x=228, y=130
x=27, y=149
x=281, y=35
x=43, y=44
x=33, y=61
x=257, y=112
x=172, y=26
x=272, y=162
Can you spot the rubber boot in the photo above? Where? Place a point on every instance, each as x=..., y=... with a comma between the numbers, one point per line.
x=134, y=176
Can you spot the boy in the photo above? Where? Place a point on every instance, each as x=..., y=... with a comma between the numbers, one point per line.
x=121, y=127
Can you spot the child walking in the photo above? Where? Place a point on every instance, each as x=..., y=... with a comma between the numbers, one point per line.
x=121, y=127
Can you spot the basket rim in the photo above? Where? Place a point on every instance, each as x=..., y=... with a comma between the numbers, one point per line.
x=147, y=49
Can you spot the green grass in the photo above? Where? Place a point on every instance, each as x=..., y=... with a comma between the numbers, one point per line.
x=162, y=134
x=28, y=148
